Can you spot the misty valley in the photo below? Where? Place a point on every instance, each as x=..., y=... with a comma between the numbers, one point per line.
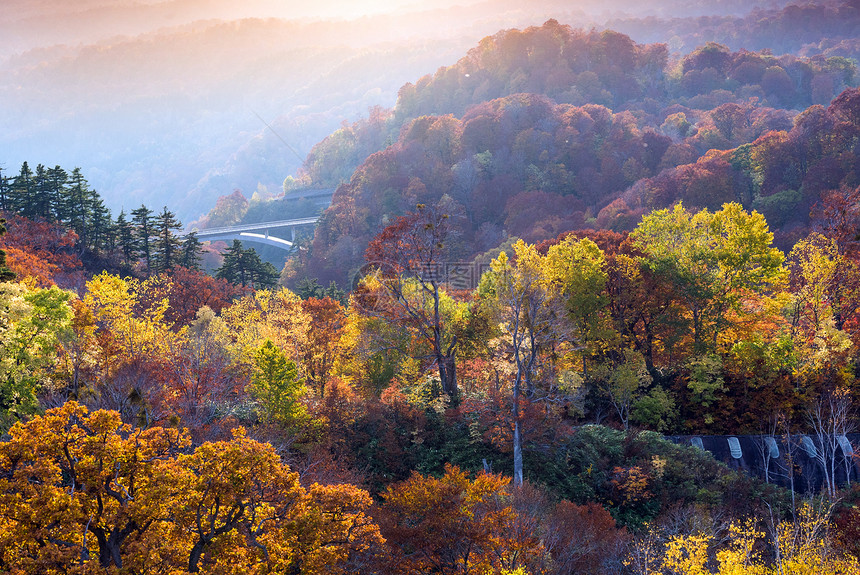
x=441, y=287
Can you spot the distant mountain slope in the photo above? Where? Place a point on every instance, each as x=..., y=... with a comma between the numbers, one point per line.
x=30, y=23
x=782, y=174
x=805, y=28
x=595, y=114
x=147, y=118
x=173, y=110
x=161, y=101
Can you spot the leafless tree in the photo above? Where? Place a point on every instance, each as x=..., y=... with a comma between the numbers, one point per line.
x=831, y=417
x=765, y=442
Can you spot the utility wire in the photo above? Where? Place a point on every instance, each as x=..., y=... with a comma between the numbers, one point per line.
x=277, y=135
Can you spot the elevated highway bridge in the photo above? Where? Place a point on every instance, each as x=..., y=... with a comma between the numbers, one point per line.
x=268, y=233
x=280, y=233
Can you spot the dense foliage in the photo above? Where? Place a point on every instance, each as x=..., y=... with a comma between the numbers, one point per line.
x=693, y=322
x=556, y=250
x=549, y=129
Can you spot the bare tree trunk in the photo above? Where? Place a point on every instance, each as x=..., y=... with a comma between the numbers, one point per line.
x=518, y=454
x=515, y=412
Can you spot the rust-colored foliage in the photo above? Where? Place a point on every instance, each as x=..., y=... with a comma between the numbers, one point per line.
x=847, y=529
x=408, y=259
x=42, y=252
x=448, y=525
x=190, y=290
x=584, y=539
x=84, y=493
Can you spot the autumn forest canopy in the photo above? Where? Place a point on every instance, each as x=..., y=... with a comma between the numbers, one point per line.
x=541, y=272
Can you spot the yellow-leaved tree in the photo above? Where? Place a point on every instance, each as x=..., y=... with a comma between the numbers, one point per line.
x=798, y=547
x=277, y=316
x=84, y=493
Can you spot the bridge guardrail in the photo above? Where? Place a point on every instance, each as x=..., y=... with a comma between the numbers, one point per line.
x=254, y=227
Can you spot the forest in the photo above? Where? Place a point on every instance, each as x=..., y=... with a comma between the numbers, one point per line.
x=542, y=267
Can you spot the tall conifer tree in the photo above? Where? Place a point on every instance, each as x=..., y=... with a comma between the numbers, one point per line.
x=5, y=187
x=192, y=251
x=56, y=203
x=244, y=267
x=40, y=200
x=125, y=238
x=167, y=247
x=99, y=234
x=22, y=192
x=143, y=232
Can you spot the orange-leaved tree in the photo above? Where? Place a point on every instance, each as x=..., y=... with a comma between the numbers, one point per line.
x=243, y=511
x=448, y=525
x=327, y=326
x=84, y=493
x=79, y=490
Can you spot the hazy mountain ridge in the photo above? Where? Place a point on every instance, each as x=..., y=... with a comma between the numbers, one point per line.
x=539, y=131
x=159, y=100
x=192, y=91
x=817, y=27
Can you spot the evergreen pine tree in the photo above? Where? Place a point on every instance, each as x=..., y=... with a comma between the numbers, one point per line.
x=125, y=238
x=309, y=287
x=232, y=267
x=143, y=232
x=263, y=274
x=4, y=191
x=56, y=204
x=244, y=267
x=166, y=246
x=41, y=199
x=335, y=293
x=192, y=251
x=99, y=232
x=77, y=207
x=22, y=191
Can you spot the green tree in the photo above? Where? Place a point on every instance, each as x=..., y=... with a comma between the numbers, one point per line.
x=624, y=382
x=278, y=389
x=56, y=201
x=244, y=267
x=22, y=192
x=263, y=274
x=143, y=232
x=85, y=212
x=308, y=287
x=125, y=238
x=100, y=233
x=31, y=323
x=577, y=268
x=713, y=261
x=5, y=188
x=192, y=251
x=167, y=247
x=77, y=207
x=232, y=268
x=40, y=205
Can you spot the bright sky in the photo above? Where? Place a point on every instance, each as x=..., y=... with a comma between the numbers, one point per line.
x=26, y=24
